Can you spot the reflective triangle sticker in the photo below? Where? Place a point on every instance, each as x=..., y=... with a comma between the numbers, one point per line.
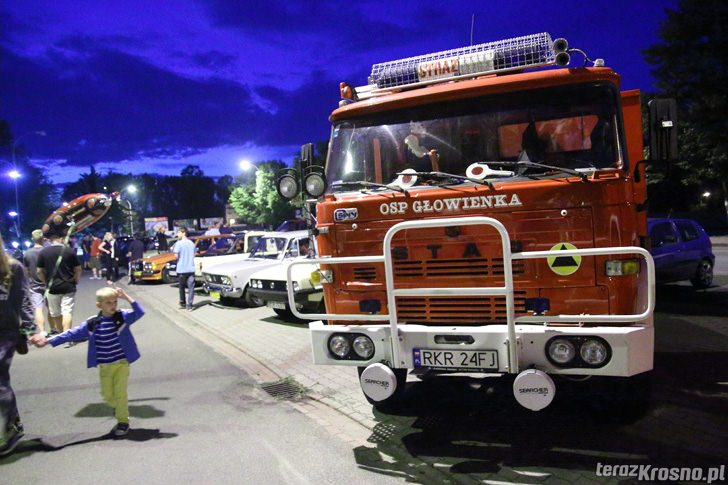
x=563, y=265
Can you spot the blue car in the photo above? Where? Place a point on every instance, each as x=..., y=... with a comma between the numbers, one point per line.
x=682, y=251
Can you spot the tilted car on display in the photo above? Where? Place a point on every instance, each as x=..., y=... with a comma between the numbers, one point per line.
x=270, y=286
x=228, y=282
x=682, y=251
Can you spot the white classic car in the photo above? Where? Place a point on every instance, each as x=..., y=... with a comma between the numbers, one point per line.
x=270, y=286
x=230, y=281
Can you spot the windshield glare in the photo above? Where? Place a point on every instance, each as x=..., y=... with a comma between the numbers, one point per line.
x=269, y=248
x=572, y=127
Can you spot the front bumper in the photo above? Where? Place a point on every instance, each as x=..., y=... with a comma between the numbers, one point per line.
x=308, y=300
x=631, y=347
x=225, y=291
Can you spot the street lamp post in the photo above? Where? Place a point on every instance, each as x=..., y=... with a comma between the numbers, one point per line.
x=15, y=175
x=131, y=188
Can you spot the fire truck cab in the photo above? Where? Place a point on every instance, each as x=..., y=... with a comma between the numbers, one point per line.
x=482, y=211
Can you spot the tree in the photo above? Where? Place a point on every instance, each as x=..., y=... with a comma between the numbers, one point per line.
x=691, y=65
x=259, y=202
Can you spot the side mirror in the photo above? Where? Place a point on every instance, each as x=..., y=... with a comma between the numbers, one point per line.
x=663, y=129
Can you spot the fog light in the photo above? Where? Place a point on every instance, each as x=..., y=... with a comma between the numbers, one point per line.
x=622, y=267
x=594, y=352
x=364, y=347
x=314, y=184
x=561, y=351
x=339, y=346
x=288, y=187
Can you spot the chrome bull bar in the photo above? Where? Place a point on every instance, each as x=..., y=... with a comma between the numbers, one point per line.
x=504, y=291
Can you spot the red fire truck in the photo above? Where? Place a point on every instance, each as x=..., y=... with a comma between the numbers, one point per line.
x=482, y=210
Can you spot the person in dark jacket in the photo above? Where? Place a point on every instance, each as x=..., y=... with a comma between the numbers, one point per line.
x=162, y=244
x=111, y=347
x=16, y=323
x=134, y=253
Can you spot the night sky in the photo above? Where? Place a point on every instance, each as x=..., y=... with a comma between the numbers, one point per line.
x=153, y=86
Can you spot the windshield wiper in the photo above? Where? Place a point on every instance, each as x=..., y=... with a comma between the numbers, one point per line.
x=445, y=175
x=530, y=164
x=364, y=183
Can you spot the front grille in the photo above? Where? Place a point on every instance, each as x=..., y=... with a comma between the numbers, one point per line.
x=365, y=273
x=214, y=278
x=274, y=285
x=446, y=310
x=456, y=268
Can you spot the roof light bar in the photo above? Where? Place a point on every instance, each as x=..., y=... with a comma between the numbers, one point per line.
x=500, y=56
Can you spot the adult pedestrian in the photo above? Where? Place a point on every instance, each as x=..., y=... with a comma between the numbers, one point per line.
x=226, y=229
x=86, y=247
x=94, y=260
x=60, y=269
x=135, y=252
x=185, y=250
x=162, y=244
x=16, y=323
x=214, y=230
x=37, y=287
x=110, y=257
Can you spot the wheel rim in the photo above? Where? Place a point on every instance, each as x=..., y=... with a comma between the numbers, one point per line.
x=705, y=273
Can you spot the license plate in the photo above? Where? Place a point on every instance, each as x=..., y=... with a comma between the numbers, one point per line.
x=172, y=273
x=456, y=359
x=276, y=305
x=215, y=294
x=137, y=273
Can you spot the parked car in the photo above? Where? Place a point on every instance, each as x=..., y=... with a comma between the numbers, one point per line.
x=225, y=249
x=682, y=251
x=230, y=281
x=155, y=268
x=270, y=286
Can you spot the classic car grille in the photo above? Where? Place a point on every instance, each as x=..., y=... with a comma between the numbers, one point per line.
x=438, y=268
x=274, y=285
x=438, y=310
x=214, y=278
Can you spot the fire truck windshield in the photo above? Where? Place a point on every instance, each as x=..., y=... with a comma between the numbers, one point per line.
x=574, y=127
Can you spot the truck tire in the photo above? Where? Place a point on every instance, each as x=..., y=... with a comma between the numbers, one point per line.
x=393, y=403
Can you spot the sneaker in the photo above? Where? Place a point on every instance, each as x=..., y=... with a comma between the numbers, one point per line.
x=189, y=308
x=182, y=305
x=120, y=429
x=12, y=439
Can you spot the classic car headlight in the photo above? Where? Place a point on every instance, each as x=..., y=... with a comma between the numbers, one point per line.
x=296, y=286
x=256, y=284
x=226, y=280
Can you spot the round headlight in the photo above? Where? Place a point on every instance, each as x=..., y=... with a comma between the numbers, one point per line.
x=594, y=352
x=339, y=346
x=561, y=351
x=314, y=184
x=295, y=286
x=288, y=186
x=364, y=347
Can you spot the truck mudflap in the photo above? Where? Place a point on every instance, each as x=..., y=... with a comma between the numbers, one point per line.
x=509, y=348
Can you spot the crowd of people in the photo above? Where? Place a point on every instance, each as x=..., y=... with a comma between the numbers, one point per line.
x=46, y=280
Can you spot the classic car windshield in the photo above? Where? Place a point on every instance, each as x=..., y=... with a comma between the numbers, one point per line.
x=571, y=127
x=269, y=247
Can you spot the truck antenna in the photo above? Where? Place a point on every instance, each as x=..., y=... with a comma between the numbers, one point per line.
x=472, y=24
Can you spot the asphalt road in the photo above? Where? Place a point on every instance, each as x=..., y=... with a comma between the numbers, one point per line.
x=195, y=418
